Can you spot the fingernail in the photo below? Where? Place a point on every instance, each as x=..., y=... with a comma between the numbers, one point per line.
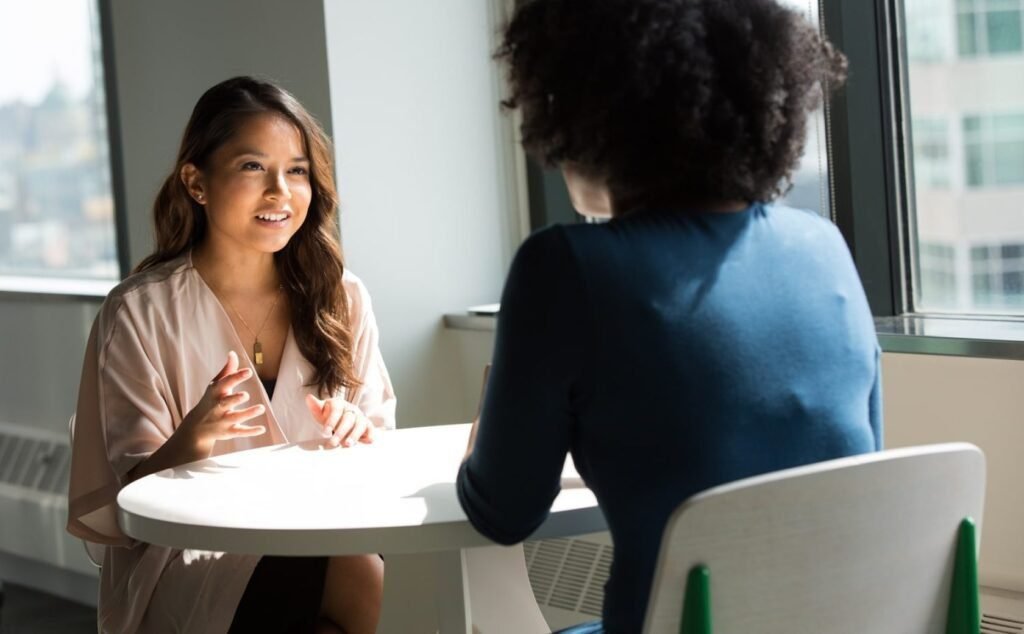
x=348, y=443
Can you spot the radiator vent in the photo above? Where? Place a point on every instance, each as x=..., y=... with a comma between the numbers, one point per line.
x=994, y=624
x=569, y=573
x=34, y=461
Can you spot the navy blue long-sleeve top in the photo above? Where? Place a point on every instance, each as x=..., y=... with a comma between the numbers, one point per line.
x=669, y=352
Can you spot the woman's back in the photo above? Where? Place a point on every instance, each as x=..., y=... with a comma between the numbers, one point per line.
x=670, y=352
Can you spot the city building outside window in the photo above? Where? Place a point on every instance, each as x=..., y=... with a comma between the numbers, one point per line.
x=989, y=27
x=56, y=200
x=967, y=130
x=994, y=149
x=932, y=166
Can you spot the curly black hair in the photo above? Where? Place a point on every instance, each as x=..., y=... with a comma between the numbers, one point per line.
x=669, y=102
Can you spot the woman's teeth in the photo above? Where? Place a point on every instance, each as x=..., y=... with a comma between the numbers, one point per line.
x=272, y=217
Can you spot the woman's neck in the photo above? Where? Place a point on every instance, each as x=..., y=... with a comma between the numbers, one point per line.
x=236, y=272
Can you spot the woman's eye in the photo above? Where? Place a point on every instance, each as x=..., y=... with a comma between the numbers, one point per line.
x=302, y=171
x=251, y=166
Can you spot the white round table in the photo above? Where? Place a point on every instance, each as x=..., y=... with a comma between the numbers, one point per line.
x=395, y=497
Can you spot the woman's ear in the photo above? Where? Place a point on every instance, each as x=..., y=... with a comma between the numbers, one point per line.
x=589, y=197
x=192, y=178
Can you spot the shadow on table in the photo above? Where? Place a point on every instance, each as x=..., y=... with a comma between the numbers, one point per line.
x=442, y=502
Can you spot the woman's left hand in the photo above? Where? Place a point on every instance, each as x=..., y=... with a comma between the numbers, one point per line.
x=342, y=421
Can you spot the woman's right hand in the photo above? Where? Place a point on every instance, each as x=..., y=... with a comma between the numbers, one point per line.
x=215, y=417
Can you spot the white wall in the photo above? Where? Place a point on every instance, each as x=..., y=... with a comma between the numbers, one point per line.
x=932, y=399
x=427, y=190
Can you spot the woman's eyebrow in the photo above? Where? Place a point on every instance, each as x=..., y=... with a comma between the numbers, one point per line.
x=258, y=154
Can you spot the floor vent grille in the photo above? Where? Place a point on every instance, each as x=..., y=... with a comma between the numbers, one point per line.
x=569, y=573
x=995, y=624
x=35, y=463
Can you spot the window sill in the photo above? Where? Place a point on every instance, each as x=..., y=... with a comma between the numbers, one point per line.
x=983, y=337
x=466, y=321
x=48, y=287
x=987, y=338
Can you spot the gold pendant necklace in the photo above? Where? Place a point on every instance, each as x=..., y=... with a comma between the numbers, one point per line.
x=257, y=347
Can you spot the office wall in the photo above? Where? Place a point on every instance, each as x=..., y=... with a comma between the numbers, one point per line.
x=932, y=399
x=426, y=187
x=166, y=55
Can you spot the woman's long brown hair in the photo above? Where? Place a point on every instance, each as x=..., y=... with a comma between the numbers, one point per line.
x=311, y=265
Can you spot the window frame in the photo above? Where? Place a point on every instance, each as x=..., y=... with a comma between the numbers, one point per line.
x=874, y=193
x=57, y=286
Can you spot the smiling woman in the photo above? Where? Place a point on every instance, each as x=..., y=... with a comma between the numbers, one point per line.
x=247, y=259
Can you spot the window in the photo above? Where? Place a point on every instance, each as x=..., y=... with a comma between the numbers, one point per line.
x=989, y=27
x=994, y=149
x=810, y=180
x=930, y=33
x=56, y=194
x=931, y=153
x=997, y=277
x=966, y=117
x=938, y=274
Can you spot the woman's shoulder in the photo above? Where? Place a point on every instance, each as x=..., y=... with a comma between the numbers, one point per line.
x=153, y=286
x=803, y=220
x=358, y=296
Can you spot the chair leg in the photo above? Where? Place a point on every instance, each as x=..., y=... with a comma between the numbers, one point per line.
x=964, y=616
x=697, y=602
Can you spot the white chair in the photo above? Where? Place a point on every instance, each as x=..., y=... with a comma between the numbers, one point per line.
x=866, y=544
x=94, y=552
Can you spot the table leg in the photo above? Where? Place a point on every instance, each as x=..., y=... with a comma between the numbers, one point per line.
x=425, y=593
x=500, y=592
x=475, y=591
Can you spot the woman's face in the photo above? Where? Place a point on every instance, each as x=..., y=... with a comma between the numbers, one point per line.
x=256, y=187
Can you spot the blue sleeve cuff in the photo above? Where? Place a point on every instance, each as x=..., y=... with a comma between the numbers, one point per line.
x=484, y=517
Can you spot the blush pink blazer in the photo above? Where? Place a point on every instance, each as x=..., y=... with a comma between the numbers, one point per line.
x=159, y=338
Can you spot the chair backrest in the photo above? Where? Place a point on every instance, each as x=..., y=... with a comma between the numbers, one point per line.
x=855, y=545
x=94, y=552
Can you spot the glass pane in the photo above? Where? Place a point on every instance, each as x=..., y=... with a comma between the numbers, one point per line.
x=1009, y=163
x=56, y=205
x=975, y=165
x=976, y=211
x=1013, y=283
x=1003, y=31
x=931, y=153
x=1011, y=251
x=928, y=38
x=966, y=33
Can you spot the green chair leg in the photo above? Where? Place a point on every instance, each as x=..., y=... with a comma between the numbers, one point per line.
x=964, y=615
x=697, y=603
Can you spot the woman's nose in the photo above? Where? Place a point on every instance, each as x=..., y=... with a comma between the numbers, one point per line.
x=278, y=186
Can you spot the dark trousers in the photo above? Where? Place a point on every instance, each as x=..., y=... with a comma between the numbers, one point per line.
x=283, y=596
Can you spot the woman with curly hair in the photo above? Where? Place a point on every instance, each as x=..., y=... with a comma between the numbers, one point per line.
x=705, y=333
x=243, y=329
